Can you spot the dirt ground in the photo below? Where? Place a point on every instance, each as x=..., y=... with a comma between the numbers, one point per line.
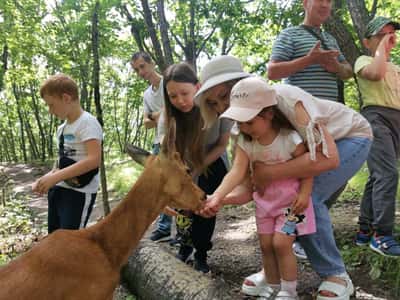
x=236, y=252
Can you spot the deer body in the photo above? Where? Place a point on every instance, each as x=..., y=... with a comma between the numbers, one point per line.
x=85, y=264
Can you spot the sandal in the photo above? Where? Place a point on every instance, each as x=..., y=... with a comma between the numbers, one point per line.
x=284, y=295
x=258, y=280
x=342, y=292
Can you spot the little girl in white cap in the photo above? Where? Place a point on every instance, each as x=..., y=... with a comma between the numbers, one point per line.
x=285, y=209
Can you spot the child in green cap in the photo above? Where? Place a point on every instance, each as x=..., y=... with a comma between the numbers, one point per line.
x=379, y=83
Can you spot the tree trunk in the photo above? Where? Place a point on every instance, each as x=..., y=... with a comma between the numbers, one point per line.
x=31, y=137
x=360, y=16
x=21, y=122
x=11, y=151
x=4, y=67
x=159, y=58
x=135, y=28
x=99, y=111
x=190, y=52
x=152, y=273
x=164, y=33
x=343, y=36
x=36, y=112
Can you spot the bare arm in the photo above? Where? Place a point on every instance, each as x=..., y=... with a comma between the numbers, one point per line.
x=217, y=150
x=91, y=162
x=282, y=69
x=306, y=184
x=150, y=119
x=344, y=70
x=302, y=166
x=241, y=194
x=234, y=177
x=376, y=70
x=326, y=58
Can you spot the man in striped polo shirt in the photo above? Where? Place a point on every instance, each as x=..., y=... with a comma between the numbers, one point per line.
x=302, y=59
x=307, y=57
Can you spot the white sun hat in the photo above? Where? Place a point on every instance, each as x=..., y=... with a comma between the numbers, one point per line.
x=218, y=70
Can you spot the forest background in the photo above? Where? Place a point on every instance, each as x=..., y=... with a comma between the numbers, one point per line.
x=93, y=41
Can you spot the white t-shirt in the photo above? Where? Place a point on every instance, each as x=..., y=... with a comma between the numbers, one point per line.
x=153, y=101
x=280, y=150
x=85, y=128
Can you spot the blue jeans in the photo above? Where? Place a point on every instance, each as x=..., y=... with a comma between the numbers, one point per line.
x=164, y=223
x=320, y=247
x=156, y=149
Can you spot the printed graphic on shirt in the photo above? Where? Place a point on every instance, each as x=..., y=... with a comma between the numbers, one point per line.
x=184, y=221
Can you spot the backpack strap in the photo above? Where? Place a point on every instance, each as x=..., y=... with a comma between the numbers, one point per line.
x=339, y=82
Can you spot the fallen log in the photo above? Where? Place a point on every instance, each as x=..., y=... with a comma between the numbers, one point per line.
x=154, y=274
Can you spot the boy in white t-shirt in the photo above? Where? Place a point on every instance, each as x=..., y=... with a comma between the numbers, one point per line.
x=73, y=183
x=153, y=104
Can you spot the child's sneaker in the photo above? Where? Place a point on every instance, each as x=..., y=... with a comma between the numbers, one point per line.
x=362, y=238
x=200, y=263
x=184, y=253
x=299, y=251
x=385, y=245
x=159, y=236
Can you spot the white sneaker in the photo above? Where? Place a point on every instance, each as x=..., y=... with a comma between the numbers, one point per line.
x=298, y=250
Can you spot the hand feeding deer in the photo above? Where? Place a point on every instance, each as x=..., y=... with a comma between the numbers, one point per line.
x=85, y=264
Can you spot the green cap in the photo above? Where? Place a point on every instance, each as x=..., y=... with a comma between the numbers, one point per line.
x=375, y=25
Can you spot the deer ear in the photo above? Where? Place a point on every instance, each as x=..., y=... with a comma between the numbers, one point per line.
x=168, y=145
x=138, y=154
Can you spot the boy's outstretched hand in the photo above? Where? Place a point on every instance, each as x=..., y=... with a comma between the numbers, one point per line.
x=44, y=183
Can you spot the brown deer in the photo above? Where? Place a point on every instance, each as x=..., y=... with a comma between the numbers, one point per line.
x=85, y=264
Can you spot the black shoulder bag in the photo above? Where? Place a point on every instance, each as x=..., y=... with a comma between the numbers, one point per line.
x=339, y=82
x=64, y=161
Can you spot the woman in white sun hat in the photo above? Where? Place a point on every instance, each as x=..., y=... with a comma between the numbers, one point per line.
x=338, y=140
x=285, y=209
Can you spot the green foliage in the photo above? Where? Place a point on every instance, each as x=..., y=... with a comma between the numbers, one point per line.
x=121, y=175
x=18, y=229
x=356, y=184
x=384, y=269
x=356, y=258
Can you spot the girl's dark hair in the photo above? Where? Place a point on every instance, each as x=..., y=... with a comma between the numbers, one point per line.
x=189, y=134
x=279, y=120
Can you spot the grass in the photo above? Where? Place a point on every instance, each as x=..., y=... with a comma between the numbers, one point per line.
x=121, y=175
x=18, y=228
x=386, y=269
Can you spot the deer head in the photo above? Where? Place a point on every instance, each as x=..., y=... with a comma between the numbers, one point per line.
x=174, y=174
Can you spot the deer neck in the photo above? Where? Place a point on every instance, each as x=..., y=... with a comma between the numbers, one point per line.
x=123, y=228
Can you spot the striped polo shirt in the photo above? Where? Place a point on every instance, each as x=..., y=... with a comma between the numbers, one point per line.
x=296, y=42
